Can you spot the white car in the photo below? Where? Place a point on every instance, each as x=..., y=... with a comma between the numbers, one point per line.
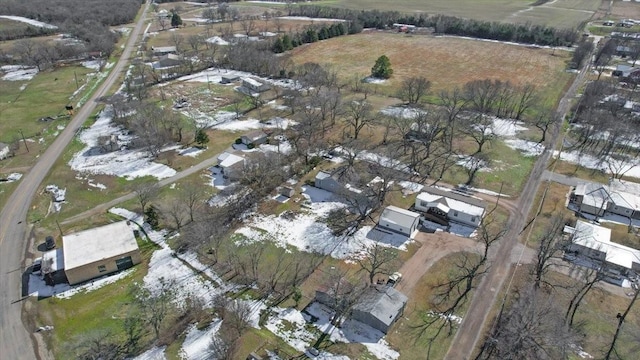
x=394, y=278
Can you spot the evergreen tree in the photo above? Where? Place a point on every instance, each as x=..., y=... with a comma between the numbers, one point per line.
x=151, y=217
x=382, y=68
x=201, y=137
x=278, y=46
x=176, y=20
x=287, y=44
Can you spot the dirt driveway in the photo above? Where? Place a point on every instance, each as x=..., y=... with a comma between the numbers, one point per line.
x=433, y=248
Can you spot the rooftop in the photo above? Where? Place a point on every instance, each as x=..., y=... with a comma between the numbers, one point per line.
x=86, y=247
x=255, y=135
x=252, y=82
x=229, y=159
x=454, y=201
x=399, y=216
x=621, y=193
x=52, y=261
x=382, y=302
x=599, y=238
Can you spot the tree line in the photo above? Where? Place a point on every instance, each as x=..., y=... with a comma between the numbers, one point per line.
x=312, y=34
x=451, y=25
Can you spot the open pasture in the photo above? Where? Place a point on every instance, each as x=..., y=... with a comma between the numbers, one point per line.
x=447, y=62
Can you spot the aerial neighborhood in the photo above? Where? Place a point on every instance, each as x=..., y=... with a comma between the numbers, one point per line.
x=187, y=180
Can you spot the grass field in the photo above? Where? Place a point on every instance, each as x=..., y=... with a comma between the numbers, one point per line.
x=446, y=61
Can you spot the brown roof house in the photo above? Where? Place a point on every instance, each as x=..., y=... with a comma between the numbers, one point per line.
x=99, y=251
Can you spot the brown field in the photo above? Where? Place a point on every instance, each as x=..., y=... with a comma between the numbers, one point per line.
x=446, y=61
x=625, y=10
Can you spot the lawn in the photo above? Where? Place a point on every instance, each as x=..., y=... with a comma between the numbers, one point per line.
x=447, y=62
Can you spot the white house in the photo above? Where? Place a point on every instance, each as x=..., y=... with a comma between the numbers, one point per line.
x=99, y=251
x=450, y=205
x=399, y=220
x=231, y=164
x=593, y=243
x=618, y=197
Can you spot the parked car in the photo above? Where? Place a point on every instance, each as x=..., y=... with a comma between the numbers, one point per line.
x=49, y=243
x=394, y=279
x=36, y=267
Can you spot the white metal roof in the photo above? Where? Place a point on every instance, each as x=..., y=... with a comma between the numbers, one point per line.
x=89, y=246
x=453, y=204
x=396, y=215
x=252, y=82
x=599, y=238
x=620, y=193
x=230, y=160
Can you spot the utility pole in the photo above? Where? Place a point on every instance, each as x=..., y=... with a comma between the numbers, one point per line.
x=24, y=140
x=76, y=77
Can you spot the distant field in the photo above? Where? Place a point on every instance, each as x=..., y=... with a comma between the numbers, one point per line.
x=562, y=13
x=446, y=61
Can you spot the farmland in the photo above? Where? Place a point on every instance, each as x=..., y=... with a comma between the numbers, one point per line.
x=447, y=62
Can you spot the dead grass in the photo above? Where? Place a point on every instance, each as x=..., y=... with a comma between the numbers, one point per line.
x=446, y=61
x=552, y=208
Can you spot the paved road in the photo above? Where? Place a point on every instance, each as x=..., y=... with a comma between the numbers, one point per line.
x=15, y=340
x=474, y=325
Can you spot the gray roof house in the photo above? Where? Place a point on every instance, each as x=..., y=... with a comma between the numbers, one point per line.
x=325, y=181
x=399, y=220
x=618, y=197
x=254, y=138
x=379, y=307
x=163, y=50
x=169, y=60
x=4, y=151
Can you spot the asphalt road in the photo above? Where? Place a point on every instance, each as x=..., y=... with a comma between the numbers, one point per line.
x=474, y=325
x=16, y=341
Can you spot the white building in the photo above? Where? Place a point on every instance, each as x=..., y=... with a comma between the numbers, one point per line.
x=254, y=85
x=618, y=197
x=399, y=220
x=231, y=164
x=4, y=151
x=99, y=251
x=450, y=205
x=593, y=243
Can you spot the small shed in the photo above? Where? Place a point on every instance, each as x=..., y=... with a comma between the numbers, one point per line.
x=254, y=85
x=286, y=191
x=254, y=138
x=399, y=220
x=163, y=50
x=4, y=151
x=379, y=307
x=228, y=79
x=325, y=181
x=169, y=60
x=99, y=251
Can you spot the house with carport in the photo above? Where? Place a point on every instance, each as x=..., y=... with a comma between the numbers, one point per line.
x=445, y=205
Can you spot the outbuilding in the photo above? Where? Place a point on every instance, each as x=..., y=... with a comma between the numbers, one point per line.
x=254, y=85
x=379, y=307
x=99, y=251
x=399, y=220
x=254, y=138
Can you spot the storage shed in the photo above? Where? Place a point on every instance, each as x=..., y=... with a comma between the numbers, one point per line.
x=399, y=220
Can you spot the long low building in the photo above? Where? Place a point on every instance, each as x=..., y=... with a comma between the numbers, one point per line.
x=618, y=197
x=399, y=220
x=99, y=251
x=450, y=205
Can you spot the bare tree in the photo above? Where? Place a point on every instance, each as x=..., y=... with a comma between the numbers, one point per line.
x=550, y=246
x=480, y=129
x=414, y=89
x=96, y=344
x=621, y=319
x=359, y=115
x=145, y=193
x=163, y=22
x=155, y=306
x=177, y=40
x=248, y=25
x=375, y=260
x=192, y=196
x=195, y=41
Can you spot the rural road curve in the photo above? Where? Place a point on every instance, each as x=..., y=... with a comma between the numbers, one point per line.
x=16, y=342
x=474, y=325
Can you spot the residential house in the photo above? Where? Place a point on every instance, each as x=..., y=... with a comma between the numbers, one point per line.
x=591, y=245
x=254, y=85
x=163, y=50
x=451, y=206
x=399, y=220
x=325, y=181
x=618, y=197
x=99, y=251
x=379, y=307
x=228, y=79
x=231, y=164
x=5, y=151
x=254, y=138
x=623, y=51
x=623, y=70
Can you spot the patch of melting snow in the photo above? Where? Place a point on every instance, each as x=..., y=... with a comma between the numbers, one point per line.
x=402, y=112
x=31, y=22
x=155, y=353
x=18, y=72
x=629, y=167
x=528, y=148
x=229, y=123
x=123, y=163
x=217, y=40
x=190, y=151
x=23, y=86
x=196, y=343
x=12, y=177
x=215, y=75
x=58, y=196
x=96, y=185
x=409, y=187
x=373, y=80
x=92, y=64
x=38, y=287
x=306, y=18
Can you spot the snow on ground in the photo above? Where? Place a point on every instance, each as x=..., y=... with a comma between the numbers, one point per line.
x=31, y=22
x=155, y=353
x=96, y=185
x=528, y=148
x=306, y=18
x=58, y=196
x=402, y=112
x=123, y=163
x=217, y=179
x=215, y=75
x=506, y=127
x=37, y=286
x=197, y=20
x=190, y=151
x=217, y=40
x=196, y=343
x=629, y=168
x=351, y=331
x=92, y=64
x=11, y=178
x=307, y=233
x=18, y=72
x=289, y=325
x=231, y=124
x=409, y=187
x=487, y=192
x=373, y=80
x=268, y=34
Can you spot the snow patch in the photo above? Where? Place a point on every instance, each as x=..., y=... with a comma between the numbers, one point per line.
x=38, y=287
x=31, y=22
x=196, y=343
x=18, y=72
x=217, y=40
x=373, y=80
x=190, y=151
x=58, y=196
x=12, y=177
x=155, y=353
x=528, y=148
